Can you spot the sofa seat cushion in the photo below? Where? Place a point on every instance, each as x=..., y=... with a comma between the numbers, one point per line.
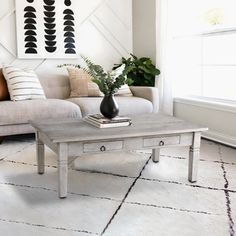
x=21, y=112
x=127, y=105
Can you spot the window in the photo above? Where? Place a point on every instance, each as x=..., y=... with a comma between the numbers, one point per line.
x=203, y=43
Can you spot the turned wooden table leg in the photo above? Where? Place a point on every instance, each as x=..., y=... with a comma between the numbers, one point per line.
x=40, y=153
x=156, y=155
x=62, y=170
x=194, y=153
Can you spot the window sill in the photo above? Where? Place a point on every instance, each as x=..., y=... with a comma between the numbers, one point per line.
x=210, y=103
x=223, y=30
x=211, y=32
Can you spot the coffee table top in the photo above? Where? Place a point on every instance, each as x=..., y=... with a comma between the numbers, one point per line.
x=76, y=130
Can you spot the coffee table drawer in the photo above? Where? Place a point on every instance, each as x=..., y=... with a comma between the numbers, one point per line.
x=102, y=146
x=161, y=141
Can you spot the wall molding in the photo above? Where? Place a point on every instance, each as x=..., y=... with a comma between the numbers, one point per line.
x=114, y=39
x=207, y=103
x=220, y=138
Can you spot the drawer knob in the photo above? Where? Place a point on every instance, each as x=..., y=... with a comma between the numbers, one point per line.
x=102, y=148
x=161, y=143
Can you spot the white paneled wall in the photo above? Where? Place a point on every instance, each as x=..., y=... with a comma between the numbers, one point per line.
x=144, y=28
x=104, y=28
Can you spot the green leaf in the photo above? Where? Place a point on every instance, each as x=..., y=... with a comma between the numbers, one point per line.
x=134, y=57
x=107, y=82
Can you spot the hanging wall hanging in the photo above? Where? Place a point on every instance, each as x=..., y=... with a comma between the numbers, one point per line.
x=46, y=28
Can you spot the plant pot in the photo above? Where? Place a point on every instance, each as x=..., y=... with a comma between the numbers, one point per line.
x=109, y=107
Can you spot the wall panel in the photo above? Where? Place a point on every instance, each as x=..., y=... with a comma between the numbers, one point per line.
x=104, y=29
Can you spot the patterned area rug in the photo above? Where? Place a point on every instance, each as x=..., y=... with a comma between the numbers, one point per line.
x=120, y=194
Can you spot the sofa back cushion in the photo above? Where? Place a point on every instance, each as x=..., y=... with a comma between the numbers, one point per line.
x=55, y=82
x=82, y=85
x=4, y=95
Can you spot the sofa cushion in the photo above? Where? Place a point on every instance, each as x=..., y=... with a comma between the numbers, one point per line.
x=124, y=90
x=23, y=84
x=127, y=105
x=54, y=83
x=81, y=84
x=4, y=95
x=21, y=112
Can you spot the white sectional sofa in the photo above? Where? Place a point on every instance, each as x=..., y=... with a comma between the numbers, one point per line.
x=14, y=116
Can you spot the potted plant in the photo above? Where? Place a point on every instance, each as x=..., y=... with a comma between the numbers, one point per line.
x=108, y=83
x=140, y=71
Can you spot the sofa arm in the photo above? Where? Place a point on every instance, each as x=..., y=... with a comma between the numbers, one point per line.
x=149, y=93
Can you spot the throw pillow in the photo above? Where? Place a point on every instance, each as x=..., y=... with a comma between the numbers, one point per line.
x=4, y=95
x=81, y=84
x=124, y=90
x=23, y=84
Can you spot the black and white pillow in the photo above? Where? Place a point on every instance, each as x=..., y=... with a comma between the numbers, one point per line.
x=23, y=84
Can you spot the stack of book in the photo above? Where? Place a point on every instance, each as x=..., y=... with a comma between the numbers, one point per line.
x=101, y=122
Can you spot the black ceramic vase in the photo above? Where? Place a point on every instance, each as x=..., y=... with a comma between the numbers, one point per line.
x=109, y=107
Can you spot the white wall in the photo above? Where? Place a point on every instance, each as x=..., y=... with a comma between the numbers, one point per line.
x=105, y=33
x=144, y=28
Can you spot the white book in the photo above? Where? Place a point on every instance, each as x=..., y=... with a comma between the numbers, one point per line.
x=103, y=126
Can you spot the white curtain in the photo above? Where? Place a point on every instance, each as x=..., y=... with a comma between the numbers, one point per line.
x=164, y=80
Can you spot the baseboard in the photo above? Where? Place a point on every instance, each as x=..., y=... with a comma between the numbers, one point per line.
x=221, y=138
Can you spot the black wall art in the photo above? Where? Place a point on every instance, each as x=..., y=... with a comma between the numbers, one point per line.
x=30, y=24
x=69, y=29
x=50, y=25
x=48, y=28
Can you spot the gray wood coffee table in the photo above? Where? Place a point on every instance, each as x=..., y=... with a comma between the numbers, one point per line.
x=73, y=137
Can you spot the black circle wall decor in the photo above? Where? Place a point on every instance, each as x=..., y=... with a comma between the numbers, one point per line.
x=30, y=29
x=50, y=26
x=68, y=3
x=47, y=28
x=69, y=29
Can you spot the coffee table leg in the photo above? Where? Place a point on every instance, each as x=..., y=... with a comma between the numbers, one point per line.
x=62, y=170
x=156, y=155
x=194, y=153
x=40, y=154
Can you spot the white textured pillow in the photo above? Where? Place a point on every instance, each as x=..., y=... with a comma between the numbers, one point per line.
x=124, y=90
x=23, y=84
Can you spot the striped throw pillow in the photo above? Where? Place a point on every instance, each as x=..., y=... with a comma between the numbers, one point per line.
x=23, y=84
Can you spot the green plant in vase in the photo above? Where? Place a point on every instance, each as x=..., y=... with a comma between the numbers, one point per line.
x=140, y=71
x=109, y=83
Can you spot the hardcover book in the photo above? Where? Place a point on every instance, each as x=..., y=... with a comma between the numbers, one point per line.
x=101, y=122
